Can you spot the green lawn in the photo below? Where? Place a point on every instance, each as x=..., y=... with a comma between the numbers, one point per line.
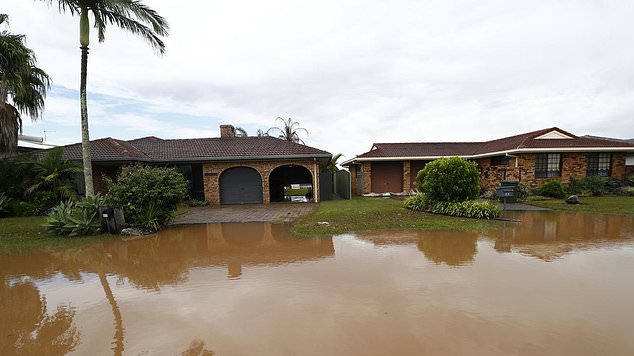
x=361, y=214
x=28, y=232
x=597, y=205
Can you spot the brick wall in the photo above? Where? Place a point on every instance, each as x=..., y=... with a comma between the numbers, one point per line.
x=491, y=176
x=407, y=179
x=618, y=169
x=367, y=177
x=212, y=172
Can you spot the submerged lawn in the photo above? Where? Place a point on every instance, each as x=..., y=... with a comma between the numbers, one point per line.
x=596, y=205
x=362, y=213
x=28, y=232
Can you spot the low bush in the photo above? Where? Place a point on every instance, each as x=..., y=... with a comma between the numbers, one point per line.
x=630, y=180
x=196, y=202
x=4, y=203
x=467, y=209
x=75, y=218
x=627, y=191
x=449, y=179
x=595, y=186
x=148, y=195
x=552, y=188
x=418, y=202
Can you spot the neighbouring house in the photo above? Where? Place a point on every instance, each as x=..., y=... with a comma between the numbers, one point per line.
x=223, y=170
x=531, y=158
x=27, y=143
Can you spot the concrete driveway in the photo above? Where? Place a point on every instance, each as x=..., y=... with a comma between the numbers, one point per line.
x=275, y=212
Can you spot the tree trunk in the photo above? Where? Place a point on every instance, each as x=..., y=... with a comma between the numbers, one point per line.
x=116, y=313
x=85, y=136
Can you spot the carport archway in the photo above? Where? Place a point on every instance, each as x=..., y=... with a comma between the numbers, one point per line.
x=241, y=185
x=290, y=178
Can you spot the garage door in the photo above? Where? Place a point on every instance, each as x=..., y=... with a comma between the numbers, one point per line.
x=240, y=185
x=387, y=177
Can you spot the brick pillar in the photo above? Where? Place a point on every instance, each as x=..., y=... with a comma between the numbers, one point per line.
x=266, y=192
x=367, y=178
x=407, y=186
x=617, y=169
x=211, y=184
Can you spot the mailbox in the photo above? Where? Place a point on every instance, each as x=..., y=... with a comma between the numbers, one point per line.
x=506, y=194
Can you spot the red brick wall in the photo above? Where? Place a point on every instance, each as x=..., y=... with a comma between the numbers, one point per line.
x=618, y=169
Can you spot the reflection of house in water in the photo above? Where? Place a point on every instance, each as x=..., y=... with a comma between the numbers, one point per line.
x=548, y=235
x=453, y=248
x=167, y=257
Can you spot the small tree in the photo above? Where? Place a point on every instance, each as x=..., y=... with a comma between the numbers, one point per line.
x=449, y=180
x=149, y=195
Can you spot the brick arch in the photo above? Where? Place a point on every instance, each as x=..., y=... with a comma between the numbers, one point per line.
x=238, y=165
x=213, y=170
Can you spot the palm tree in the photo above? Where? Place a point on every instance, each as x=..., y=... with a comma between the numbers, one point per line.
x=332, y=163
x=262, y=133
x=290, y=131
x=130, y=15
x=240, y=132
x=55, y=173
x=22, y=86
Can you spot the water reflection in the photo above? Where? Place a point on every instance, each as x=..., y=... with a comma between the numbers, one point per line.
x=548, y=236
x=27, y=328
x=205, y=287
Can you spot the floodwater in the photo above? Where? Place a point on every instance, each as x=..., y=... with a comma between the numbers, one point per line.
x=555, y=284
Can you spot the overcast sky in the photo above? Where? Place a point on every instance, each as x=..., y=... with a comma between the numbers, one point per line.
x=351, y=72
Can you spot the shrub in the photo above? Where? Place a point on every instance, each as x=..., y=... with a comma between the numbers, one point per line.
x=196, y=202
x=595, y=186
x=21, y=208
x=467, y=209
x=4, y=203
x=449, y=179
x=521, y=191
x=553, y=188
x=75, y=218
x=417, y=202
x=627, y=191
x=630, y=180
x=147, y=194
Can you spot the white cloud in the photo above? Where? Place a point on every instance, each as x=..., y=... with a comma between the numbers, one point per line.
x=357, y=72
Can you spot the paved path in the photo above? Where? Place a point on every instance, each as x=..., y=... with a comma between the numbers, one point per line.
x=245, y=213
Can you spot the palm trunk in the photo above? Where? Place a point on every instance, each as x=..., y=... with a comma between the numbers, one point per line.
x=116, y=313
x=85, y=136
x=84, y=30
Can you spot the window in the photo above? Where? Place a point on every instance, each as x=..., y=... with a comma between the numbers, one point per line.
x=500, y=160
x=548, y=165
x=598, y=164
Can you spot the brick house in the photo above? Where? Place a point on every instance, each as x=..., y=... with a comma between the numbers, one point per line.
x=531, y=158
x=223, y=170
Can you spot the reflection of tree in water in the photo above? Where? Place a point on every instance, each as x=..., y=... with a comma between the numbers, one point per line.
x=451, y=248
x=27, y=329
x=197, y=348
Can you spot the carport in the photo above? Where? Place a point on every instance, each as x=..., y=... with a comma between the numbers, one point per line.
x=286, y=176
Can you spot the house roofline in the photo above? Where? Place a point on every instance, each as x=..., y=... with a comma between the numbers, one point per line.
x=209, y=159
x=497, y=153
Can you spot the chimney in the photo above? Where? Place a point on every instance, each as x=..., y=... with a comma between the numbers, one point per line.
x=227, y=131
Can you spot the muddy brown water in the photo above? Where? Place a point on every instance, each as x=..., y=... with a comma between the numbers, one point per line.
x=555, y=284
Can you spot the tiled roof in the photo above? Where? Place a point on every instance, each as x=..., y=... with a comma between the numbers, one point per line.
x=154, y=149
x=517, y=142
